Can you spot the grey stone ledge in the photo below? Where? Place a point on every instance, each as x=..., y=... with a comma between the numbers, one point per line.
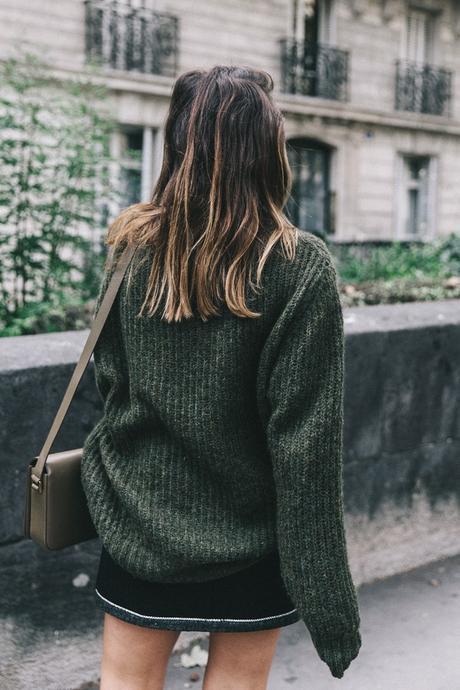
x=51, y=349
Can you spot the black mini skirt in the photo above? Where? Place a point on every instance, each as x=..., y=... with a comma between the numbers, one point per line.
x=254, y=598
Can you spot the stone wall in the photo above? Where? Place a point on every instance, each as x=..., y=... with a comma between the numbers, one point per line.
x=401, y=435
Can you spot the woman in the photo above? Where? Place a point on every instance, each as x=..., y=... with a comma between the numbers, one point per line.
x=214, y=475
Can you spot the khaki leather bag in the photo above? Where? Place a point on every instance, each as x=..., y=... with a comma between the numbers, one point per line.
x=56, y=512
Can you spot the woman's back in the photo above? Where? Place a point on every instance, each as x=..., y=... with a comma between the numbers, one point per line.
x=181, y=448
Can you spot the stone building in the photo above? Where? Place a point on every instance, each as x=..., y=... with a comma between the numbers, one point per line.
x=369, y=88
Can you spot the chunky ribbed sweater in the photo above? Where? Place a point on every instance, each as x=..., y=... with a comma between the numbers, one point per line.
x=221, y=441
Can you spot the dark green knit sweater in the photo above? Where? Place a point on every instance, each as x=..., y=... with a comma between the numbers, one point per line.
x=222, y=441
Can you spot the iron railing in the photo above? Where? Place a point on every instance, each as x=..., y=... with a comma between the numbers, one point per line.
x=129, y=36
x=423, y=88
x=319, y=70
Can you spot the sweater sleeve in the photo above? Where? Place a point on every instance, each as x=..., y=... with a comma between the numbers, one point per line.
x=304, y=436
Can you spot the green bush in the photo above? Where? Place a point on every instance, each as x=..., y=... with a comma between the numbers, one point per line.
x=54, y=194
x=361, y=263
x=399, y=272
x=43, y=317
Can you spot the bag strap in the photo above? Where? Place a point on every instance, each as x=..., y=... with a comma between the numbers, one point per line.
x=82, y=363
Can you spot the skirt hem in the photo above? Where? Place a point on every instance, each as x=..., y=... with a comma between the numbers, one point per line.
x=198, y=624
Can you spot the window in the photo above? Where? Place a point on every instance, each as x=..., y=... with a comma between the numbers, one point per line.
x=421, y=86
x=136, y=157
x=131, y=167
x=419, y=46
x=131, y=36
x=326, y=22
x=310, y=204
x=310, y=64
x=415, y=208
x=311, y=21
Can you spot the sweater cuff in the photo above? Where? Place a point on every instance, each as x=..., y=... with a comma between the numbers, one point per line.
x=337, y=651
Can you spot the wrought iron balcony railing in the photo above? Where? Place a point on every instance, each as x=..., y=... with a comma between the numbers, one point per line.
x=319, y=70
x=423, y=88
x=131, y=37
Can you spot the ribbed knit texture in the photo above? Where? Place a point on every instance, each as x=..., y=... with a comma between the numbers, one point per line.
x=222, y=441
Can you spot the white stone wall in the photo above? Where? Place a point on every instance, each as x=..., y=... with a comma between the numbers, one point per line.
x=366, y=132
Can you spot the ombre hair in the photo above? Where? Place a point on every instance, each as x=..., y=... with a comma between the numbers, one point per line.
x=216, y=211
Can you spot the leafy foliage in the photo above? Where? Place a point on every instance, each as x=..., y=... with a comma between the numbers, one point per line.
x=399, y=271
x=365, y=262
x=54, y=190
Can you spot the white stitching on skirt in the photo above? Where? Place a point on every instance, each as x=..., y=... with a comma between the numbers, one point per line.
x=180, y=618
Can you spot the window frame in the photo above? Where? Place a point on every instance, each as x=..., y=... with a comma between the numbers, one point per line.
x=402, y=196
x=150, y=161
x=330, y=200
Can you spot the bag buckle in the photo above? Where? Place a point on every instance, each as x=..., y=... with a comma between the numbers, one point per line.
x=37, y=483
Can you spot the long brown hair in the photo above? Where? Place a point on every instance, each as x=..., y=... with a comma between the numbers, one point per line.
x=216, y=210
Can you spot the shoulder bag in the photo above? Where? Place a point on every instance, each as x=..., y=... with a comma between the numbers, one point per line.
x=56, y=512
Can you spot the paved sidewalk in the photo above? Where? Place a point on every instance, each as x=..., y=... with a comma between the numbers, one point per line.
x=410, y=630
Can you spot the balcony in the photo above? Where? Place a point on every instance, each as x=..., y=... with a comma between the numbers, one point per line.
x=131, y=38
x=422, y=88
x=319, y=70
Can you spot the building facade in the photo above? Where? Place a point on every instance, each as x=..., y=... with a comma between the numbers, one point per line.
x=369, y=88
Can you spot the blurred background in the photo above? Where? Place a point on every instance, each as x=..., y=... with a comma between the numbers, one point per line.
x=370, y=92
x=370, y=95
